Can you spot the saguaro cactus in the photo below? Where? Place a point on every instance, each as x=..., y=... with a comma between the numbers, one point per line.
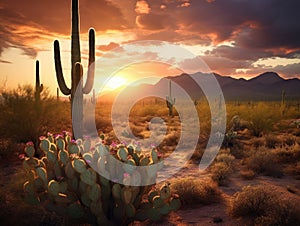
x=38, y=87
x=169, y=100
x=283, y=104
x=93, y=98
x=57, y=94
x=76, y=70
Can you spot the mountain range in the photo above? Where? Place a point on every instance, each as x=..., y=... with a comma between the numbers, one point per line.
x=268, y=86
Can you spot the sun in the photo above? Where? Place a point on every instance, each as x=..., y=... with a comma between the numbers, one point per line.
x=116, y=82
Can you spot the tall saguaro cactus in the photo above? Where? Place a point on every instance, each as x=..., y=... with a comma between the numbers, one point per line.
x=76, y=70
x=38, y=86
x=169, y=100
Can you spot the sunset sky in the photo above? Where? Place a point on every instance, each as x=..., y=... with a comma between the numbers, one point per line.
x=237, y=38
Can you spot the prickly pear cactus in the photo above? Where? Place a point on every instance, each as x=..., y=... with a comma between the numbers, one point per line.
x=63, y=181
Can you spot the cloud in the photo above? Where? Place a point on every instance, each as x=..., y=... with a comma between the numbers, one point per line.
x=152, y=21
x=24, y=22
x=256, y=29
x=108, y=47
x=239, y=53
x=142, y=7
x=5, y=61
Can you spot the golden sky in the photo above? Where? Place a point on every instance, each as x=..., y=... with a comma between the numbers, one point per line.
x=235, y=38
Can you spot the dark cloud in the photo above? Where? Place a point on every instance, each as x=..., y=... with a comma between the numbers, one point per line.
x=224, y=65
x=21, y=22
x=238, y=53
x=258, y=29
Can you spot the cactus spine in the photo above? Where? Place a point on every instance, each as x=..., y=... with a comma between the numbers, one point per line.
x=76, y=69
x=38, y=86
x=169, y=100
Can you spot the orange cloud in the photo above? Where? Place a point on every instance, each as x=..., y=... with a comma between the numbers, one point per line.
x=142, y=7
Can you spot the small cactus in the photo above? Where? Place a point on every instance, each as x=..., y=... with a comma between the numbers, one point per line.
x=169, y=100
x=38, y=86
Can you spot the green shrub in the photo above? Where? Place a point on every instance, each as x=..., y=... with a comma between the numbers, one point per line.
x=22, y=119
x=261, y=118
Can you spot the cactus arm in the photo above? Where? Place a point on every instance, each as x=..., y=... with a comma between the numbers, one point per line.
x=91, y=69
x=58, y=68
x=75, y=41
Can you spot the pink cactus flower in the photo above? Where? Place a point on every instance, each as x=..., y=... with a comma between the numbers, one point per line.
x=21, y=156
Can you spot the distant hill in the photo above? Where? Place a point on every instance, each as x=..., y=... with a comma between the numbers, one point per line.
x=265, y=87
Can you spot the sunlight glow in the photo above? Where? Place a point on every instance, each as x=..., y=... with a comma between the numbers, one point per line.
x=116, y=82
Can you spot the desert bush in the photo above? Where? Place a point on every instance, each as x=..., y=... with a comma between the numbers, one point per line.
x=247, y=174
x=294, y=170
x=263, y=161
x=220, y=172
x=252, y=201
x=226, y=158
x=287, y=154
x=264, y=206
x=261, y=118
x=258, y=142
x=22, y=119
x=290, y=141
x=193, y=191
x=272, y=141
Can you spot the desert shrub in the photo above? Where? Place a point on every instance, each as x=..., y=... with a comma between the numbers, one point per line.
x=290, y=141
x=247, y=174
x=238, y=152
x=272, y=141
x=258, y=142
x=8, y=148
x=22, y=119
x=226, y=158
x=220, y=172
x=264, y=206
x=261, y=118
x=287, y=154
x=194, y=191
x=264, y=161
x=294, y=170
x=254, y=201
